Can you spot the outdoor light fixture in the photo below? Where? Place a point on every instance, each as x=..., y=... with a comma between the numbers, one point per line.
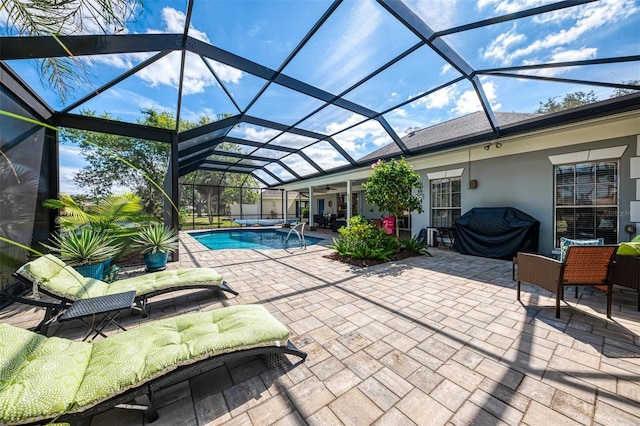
x=498, y=144
x=630, y=229
x=486, y=147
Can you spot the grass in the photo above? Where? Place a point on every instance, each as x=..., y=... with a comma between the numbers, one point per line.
x=191, y=222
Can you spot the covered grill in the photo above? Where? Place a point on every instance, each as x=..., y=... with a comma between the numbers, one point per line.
x=496, y=232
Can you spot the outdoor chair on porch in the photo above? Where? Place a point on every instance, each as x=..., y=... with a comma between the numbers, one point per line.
x=321, y=221
x=51, y=276
x=582, y=266
x=53, y=379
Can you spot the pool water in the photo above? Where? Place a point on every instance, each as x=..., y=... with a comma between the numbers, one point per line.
x=264, y=239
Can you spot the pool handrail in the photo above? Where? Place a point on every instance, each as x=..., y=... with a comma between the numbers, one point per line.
x=300, y=234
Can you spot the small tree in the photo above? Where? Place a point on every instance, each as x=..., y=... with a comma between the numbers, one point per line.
x=395, y=188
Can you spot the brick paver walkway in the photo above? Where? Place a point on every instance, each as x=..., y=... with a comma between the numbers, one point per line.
x=429, y=341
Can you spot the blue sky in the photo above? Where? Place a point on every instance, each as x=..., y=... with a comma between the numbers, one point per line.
x=358, y=38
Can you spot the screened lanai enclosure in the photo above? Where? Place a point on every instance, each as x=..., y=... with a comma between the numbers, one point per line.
x=244, y=110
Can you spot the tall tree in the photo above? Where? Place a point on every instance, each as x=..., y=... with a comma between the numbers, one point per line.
x=66, y=17
x=104, y=171
x=570, y=100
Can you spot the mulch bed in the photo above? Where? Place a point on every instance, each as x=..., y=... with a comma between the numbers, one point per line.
x=132, y=259
x=363, y=263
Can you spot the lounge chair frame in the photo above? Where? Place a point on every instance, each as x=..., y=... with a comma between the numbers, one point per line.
x=143, y=394
x=54, y=309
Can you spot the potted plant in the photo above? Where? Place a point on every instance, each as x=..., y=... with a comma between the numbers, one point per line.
x=156, y=242
x=86, y=249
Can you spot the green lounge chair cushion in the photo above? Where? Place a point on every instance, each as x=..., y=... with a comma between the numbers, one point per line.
x=629, y=249
x=44, y=377
x=39, y=376
x=53, y=275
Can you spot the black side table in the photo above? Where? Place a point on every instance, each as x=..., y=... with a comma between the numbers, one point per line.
x=109, y=305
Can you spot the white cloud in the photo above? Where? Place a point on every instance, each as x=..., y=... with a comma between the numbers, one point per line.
x=499, y=47
x=469, y=102
x=561, y=55
x=445, y=69
x=166, y=71
x=302, y=167
x=174, y=21
x=510, y=6
x=67, y=185
x=401, y=112
x=439, y=99
x=322, y=153
x=355, y=139
x=444, y=13
x=582, y=20
x=258, y=134
x=574, y=55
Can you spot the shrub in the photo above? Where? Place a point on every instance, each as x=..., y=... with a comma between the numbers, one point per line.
x=414, y=245
x=363, y=240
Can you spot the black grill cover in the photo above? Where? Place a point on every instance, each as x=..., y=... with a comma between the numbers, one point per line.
x=496, y=232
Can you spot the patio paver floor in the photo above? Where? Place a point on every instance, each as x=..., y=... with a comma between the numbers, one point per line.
x=428, y=341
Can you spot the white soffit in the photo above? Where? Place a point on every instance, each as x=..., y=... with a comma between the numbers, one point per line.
x=588, y=155
x=445, y=174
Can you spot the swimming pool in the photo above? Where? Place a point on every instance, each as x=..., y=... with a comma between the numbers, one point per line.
x=256, y=239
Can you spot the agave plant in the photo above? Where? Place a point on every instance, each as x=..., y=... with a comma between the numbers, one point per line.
x=156, y=239
x=86, y=246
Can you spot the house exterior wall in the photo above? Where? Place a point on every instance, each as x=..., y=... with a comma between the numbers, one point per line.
x=508, y=177
x=520, y=173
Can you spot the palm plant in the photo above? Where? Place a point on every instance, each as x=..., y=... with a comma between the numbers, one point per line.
x=119, y=213
x=44, y=17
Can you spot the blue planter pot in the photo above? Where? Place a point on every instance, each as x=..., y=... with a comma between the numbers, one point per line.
x=95, y=270
x=156, y=261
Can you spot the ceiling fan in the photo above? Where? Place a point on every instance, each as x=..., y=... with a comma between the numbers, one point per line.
x=329, y=188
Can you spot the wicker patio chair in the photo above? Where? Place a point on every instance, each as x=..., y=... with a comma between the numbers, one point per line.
x=583, y=265
x=626, y=273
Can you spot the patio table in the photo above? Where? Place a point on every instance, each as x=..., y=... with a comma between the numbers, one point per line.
x=110, y=305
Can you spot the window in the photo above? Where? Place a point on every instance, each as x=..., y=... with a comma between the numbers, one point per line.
x=342, y=204
x=586, y=201
x=445, y=202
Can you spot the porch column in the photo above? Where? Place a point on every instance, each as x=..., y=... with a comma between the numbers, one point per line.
x=285, y=198
x=171, y=216
x=311, y=208
x=349, y=207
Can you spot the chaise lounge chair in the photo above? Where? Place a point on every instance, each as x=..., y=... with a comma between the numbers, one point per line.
x=51, y=276
x=58, y=379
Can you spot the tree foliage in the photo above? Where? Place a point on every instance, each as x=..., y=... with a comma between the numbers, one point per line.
x=216, y=191
x=624, y=91
x=66, y=17
x=104, y=172
x=395, y=188
x=570, y=100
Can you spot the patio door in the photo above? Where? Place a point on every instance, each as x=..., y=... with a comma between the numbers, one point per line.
x=320, y=206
